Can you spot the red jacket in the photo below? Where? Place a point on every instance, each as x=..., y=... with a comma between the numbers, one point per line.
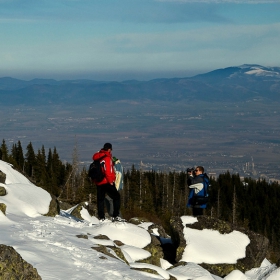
x=108, y=169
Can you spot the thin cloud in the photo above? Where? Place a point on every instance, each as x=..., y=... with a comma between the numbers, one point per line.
x=135, y=12
x=223, y=1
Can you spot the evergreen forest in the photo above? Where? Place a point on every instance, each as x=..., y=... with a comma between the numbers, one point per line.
x=157, y=196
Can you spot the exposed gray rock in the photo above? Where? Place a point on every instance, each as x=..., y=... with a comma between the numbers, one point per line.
x=92, y=209
x=3, y=208
x=118, y=253
x=118, y=243
x=64, y=205
x=256, y=251
x=159, y=229
x=2, y=177
x=54, y=207
x=13, y=267
x=102, y=237
x=156, y=252
x=109, y=250
x=2, y=191
x=138, y=221
x=84, y=236
x=178, y=236
x=77, y=211
x=156, y=248
x=102, y=249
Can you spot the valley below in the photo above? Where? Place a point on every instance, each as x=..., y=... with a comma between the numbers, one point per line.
x=241, y=137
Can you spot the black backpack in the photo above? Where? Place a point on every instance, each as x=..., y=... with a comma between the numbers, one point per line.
x=95, y=171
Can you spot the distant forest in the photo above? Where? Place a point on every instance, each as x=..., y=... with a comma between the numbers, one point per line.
x=158, y=196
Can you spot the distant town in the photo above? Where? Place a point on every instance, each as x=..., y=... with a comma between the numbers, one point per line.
x=245, y=169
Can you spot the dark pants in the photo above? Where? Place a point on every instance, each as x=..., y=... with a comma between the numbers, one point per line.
x=113, y=193
x=197, y=211
x=109, y=203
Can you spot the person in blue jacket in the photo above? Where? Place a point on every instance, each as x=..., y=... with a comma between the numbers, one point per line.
x=198, y=182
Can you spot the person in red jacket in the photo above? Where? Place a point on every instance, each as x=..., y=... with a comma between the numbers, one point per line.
x=107, y=185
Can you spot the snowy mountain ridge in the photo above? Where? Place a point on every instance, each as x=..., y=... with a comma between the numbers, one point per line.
x=241, y=72
x=248, y=81
x=259, y=70
x=52, y=246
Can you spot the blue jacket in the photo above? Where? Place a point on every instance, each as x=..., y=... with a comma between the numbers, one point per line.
x=119, y=175
x=198, y=186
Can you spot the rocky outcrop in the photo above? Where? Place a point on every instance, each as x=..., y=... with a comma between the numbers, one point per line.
x=177, y=236
x=137, y=221
x=161, y=246
x=54, y=207
x=155, y=249
x=77, y=211
x=12, y=266
x=3, y=208
x=3, y=191
x=2, y=177
x=92, y=208
x=84, y=236
x=256, y=251
x=64, y=205
x=112, y=251
x=157, y=229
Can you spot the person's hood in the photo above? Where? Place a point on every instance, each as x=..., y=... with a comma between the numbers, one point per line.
x=101, y=154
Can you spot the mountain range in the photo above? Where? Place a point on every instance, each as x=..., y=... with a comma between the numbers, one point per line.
x=226, y=119
x=245, y=82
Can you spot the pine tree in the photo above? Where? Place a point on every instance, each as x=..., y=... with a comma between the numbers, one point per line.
x=30, y=159
x=4, y=152
x=12, y=157
x=52, y=169
x=19, y=156
x=234, y=206
x=132, y=180
x=182, y=195
x=59, y=169
x=16, y=157
x=41, y=175
x=87, y=189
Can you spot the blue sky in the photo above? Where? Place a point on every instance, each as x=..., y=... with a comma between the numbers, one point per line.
x=135, y=39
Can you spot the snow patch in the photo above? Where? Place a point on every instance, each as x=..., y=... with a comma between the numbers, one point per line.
x=188, y=220
x=202, y=243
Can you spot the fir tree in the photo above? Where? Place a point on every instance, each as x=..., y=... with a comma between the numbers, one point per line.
x=30, y=159
x=41, y=175
x=4, y=152
x=17, y=157
x=20, y=156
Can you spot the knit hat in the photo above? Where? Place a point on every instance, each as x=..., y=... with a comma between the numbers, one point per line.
x=107, y=146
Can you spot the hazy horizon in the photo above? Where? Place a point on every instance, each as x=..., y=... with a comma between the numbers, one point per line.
x=140, y=39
